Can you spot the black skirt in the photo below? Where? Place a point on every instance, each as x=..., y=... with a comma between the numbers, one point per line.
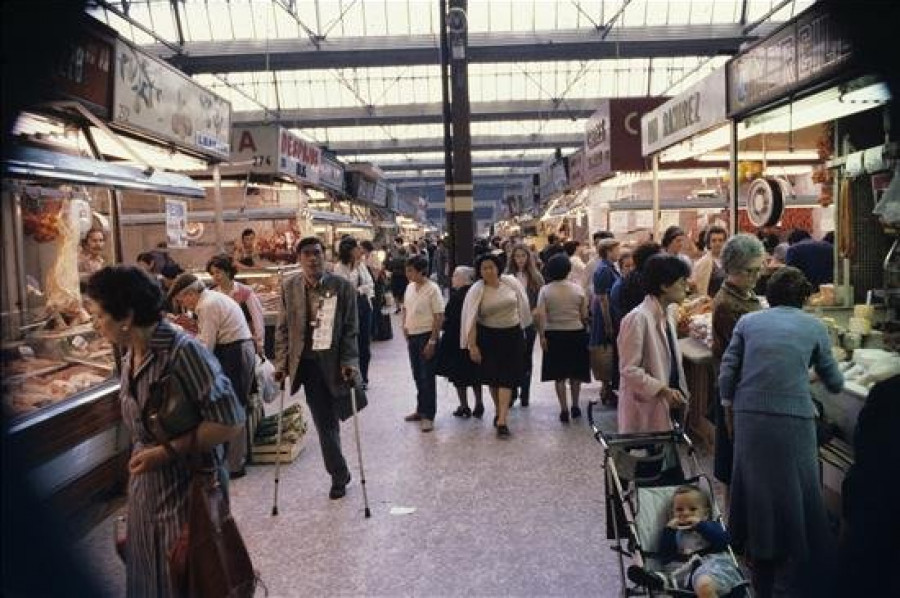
x=567, y=356
x=502, y=356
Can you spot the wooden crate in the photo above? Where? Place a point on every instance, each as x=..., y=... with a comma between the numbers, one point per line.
x=266, y=453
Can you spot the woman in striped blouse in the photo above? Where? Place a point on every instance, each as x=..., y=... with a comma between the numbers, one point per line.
x=126, y=305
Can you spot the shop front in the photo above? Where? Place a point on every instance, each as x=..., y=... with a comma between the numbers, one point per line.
x=105, y=136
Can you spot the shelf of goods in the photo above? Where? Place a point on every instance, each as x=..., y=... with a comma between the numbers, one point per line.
x=293, y=436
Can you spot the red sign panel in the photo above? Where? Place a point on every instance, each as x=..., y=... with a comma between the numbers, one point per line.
x=612, y=140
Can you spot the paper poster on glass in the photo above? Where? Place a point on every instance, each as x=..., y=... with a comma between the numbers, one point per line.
x=176, y=223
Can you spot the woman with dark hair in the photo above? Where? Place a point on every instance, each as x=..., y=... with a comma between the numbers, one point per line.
x=628, y=291
x=561, y=316
x=222, y=269
x=127, y=308
x=91, y=259
x=651, y=374
x=522, y=265
x=777, y=515
x=352, y=268
x=603, y=335
x=495, y=312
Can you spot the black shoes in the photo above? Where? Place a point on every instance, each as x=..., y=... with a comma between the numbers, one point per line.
x=564, y=417
x=339, y=490
x=524, y=399
x=462, y=412
x=503, y=431
x=478, y=411
x=648, y=579
x=576, y=412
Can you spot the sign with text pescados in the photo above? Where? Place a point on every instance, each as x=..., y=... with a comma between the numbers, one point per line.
x=275, y=150
x=612, y=141
x=154, y=99
x=700, y=107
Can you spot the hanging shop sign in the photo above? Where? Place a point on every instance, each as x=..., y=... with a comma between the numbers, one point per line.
x=576, y=169
x=276, y=151
x=702, y=106
x=379, y=193
x=612, y=140
x=804, y=51
x=176, y=223
x=151, y=97
x=298, y=158
x=553, y=178
x=84, y=73
x=331, y=174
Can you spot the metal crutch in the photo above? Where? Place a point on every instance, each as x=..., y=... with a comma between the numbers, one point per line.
x=284, y=386
x=362, y=473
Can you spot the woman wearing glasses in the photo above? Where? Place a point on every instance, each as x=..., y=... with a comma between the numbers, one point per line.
x=742, y=258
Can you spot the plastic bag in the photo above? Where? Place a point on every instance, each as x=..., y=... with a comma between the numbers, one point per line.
x=265, y=379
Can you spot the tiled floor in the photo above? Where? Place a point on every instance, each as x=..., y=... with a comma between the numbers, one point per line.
x=520, y=517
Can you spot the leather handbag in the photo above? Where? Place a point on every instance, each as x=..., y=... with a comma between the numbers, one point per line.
x=169, y=412
x=209, y=559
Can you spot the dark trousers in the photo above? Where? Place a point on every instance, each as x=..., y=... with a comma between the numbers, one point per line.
x=321, y=406
x=238, y=362
x=524, y=390
x=364, y=311
x=423, y=371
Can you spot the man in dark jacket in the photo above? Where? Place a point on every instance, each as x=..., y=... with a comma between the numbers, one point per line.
x=316, y=343
x=814, y=258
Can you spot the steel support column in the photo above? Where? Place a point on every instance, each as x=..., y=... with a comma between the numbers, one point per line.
x=459, y=202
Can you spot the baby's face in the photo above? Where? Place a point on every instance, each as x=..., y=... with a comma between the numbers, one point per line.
x=688, y=507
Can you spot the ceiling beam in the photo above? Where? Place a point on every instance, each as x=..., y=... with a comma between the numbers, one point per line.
x=418, y=114
x=227, y=56
x=436, y=144
x=410, y=165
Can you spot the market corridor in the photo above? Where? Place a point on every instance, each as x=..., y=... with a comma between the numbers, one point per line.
x=521, y=517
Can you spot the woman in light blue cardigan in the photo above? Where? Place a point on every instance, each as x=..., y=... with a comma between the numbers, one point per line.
x=777, y=515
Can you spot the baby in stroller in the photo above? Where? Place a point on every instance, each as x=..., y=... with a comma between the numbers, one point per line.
x=693, y=549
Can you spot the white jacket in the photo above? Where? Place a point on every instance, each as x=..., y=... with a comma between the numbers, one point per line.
x=473, y=302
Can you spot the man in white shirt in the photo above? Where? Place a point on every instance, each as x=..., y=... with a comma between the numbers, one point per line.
x=423, y=315
x=224, y=330
x=708, y=272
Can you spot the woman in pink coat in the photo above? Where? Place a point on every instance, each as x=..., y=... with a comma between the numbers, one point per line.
x=652, y=377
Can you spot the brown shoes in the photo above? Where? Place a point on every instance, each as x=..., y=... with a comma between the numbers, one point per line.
x=413, y=417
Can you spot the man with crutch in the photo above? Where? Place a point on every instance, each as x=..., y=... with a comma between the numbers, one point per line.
x=316, y=346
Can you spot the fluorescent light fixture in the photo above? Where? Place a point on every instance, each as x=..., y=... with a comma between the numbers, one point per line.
x=825, y=106
x=799, y=155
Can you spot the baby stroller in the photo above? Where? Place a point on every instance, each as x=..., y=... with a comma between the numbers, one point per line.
x=642, y=472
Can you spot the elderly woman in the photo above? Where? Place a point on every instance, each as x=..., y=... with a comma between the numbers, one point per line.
x=126, y=305
x=453, y=362
x=522, y=265
x=652, y=376
x=777, y=515
x=495, y=313
x=603, y=337
x=742, y=257
x=561, y=315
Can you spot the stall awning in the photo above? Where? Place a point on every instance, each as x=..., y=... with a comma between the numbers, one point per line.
x=40, y=164
x=331, y=217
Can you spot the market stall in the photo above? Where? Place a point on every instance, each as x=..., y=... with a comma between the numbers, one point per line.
x=114, y=121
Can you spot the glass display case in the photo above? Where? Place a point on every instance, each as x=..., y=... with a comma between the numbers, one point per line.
x=50, y=351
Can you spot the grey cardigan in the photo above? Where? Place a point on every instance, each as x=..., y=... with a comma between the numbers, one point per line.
x=765, y=368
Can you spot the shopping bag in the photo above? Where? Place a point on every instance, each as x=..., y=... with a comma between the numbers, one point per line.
x=602, y=363
x=265, y=380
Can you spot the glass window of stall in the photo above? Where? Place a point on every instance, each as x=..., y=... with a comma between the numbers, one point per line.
x=54, y=236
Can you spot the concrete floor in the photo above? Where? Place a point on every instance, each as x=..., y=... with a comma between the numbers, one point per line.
x=517, y=517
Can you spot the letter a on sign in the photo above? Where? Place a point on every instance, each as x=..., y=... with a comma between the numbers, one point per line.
x=246, y=141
